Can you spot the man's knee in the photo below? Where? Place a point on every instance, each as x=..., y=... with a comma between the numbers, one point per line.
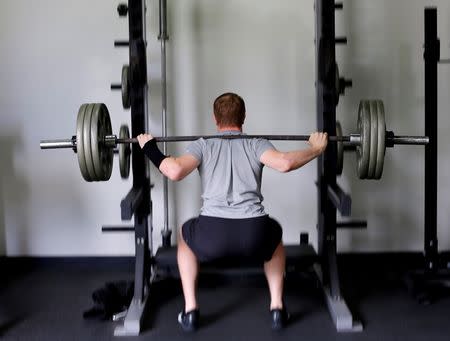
x=278, y=253
x=181, y=242
x=183, y=247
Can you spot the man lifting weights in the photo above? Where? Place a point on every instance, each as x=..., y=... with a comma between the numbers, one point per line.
x=232, y=221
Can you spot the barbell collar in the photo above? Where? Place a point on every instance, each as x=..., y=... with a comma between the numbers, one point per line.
x=111, y=141
x=354, y=139
x=389, y=136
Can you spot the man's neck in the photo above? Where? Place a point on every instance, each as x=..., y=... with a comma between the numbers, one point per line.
x=236, y=129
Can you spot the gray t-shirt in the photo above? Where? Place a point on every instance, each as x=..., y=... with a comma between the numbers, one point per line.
x=231, y=173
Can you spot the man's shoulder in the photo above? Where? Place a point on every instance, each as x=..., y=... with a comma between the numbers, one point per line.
x=199, y=142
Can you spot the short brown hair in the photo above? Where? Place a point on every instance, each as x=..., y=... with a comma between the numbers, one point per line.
x=229, y=110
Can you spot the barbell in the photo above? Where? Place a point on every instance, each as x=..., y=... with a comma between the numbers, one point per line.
x=94, y=142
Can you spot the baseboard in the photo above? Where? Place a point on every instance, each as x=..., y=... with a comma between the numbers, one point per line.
x=74, y=262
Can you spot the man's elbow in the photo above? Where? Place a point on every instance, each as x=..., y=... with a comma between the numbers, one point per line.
x=177, y=177
x=175, y=174
x=286, y=166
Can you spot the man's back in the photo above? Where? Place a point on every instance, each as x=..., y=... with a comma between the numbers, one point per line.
x=231, y=173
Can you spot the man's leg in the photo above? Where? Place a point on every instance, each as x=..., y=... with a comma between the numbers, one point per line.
x=274, y=270
x=188, y=267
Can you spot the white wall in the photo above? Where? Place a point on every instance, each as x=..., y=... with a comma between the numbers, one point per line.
x=57, y=55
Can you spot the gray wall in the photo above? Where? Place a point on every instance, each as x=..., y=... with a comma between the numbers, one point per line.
x=57, y=55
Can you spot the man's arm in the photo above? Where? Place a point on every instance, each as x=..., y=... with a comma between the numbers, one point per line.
x=288, y=161
x=175, y=168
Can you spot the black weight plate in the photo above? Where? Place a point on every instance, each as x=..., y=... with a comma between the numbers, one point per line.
x=80, y=143
x=340, y=150
x=97, y=141
x=381, y=140
x=87, y=142
x=363, y=149
x=373, y=139
x=124, y=152
x=107, y=153
x=126, y=87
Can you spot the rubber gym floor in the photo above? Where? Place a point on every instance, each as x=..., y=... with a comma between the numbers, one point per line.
x=44, y=299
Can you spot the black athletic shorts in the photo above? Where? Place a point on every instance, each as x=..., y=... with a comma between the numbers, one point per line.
x=212, y=238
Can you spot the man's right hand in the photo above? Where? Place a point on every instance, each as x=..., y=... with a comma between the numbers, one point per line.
x=318, y=141
x=143, y=139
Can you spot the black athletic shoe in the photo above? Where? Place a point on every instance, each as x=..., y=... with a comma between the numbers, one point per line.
x=189, y=321
x=279, y=318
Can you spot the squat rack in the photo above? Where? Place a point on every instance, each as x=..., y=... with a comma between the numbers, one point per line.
x=138, y=201
x=331, y=197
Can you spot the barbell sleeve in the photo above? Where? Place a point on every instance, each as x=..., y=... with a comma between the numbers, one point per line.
x=411, y=140
x=58, y=144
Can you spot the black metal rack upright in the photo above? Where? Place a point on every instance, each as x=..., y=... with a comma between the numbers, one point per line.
x=429, y=283
x=431, y=59
x=138, y=200
x=330, y=196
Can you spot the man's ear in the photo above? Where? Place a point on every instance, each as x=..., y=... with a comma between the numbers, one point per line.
x=215, y=119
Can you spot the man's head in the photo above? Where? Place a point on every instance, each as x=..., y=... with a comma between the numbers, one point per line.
x=229, y=110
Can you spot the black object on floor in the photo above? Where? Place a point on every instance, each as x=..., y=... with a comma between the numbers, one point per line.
x=111, y=299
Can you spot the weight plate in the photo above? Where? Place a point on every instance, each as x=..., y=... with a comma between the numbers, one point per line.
x=102, y=155
x=363, y=150
x=87, y=142
x=340, y=150
x=337, y=87
x=96, y=139
x=80, y=144
x=381, y=140
x=126, y=87
x=325, y=60
x=107, y=153
x=138, y=63
x=373, y=139
x=124, y=152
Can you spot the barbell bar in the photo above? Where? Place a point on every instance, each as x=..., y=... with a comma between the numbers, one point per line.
x=352, y=139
